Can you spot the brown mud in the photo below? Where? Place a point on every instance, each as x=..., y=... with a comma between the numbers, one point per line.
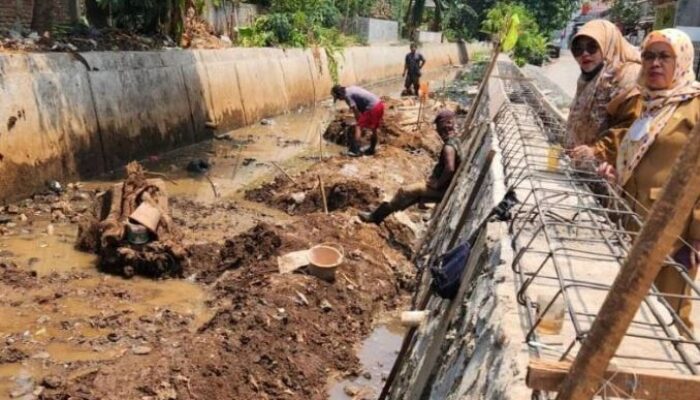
x=234, y=327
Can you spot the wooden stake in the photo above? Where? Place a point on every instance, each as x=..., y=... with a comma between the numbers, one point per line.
x=471, y=115
x=660, y=231
x=284, y=172
x=323, y=194
x=320, y=144
x=213, y=186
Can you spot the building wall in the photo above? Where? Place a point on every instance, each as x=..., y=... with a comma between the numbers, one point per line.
x=228, y=16
x=12, y=11
x=688, y=13
x=373, y=30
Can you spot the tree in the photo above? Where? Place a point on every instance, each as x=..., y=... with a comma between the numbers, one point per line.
x=551, y=14
x=531, y=44
x=459, y=19
x=42, y=16
x=626, y=13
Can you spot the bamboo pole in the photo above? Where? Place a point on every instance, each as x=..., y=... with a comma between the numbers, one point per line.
x=323, y=195
x=284, y=172
x=660, y=231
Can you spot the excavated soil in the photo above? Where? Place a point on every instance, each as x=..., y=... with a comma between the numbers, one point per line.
x=235, y=328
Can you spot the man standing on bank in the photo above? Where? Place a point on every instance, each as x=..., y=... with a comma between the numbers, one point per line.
x=412, y=70
x=434, y=189
x=369, y=111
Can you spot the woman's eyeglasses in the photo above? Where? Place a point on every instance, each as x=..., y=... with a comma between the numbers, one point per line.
x=651, y=56
x=589, y=47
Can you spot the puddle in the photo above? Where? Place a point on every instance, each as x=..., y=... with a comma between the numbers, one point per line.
x=45, y=324
x=377, y=355
x=38, y=251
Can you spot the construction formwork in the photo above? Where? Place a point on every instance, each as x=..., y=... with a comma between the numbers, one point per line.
x=562, y=249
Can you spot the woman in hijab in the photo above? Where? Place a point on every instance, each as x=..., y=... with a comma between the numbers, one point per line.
x=670, y=97
x=609, y=69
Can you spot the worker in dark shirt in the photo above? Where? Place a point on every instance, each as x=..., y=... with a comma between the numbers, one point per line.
x=369, y=111
x=412, y=70
x=434, y=189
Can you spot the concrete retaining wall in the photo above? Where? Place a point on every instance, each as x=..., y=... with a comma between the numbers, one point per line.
x=429, y=37
x=69, y=117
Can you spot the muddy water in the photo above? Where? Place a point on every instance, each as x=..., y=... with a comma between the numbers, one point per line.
x=377, y=354
x=239, y=159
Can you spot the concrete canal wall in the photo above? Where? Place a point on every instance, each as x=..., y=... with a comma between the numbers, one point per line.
x=73, y=116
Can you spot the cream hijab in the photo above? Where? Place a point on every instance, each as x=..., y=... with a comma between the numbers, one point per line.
x=659, y=105
x=588, y=116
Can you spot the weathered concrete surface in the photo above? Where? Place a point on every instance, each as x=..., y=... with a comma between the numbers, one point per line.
x=49, y=128
x=69, y=117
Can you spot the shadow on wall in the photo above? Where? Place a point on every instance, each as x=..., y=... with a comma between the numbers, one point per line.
x=75, y=116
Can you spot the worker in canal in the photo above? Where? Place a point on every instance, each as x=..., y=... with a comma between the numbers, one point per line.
x=434, y=189
x=413, y=64
x=609, y=66
x=369, y=112
x=670, y=98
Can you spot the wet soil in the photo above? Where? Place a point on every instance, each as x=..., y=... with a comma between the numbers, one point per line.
x=233, y=327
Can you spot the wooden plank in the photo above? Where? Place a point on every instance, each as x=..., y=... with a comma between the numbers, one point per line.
x=620, y=383
x=665, y=223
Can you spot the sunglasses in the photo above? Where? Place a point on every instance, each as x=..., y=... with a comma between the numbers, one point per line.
x=589, y=47
x=650, y=57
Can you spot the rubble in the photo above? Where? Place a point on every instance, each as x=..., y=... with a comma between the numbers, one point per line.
x=107, y=233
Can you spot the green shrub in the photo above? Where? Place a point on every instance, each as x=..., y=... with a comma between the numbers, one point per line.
x=531, y=44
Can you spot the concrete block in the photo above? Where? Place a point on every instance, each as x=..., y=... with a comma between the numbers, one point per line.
x=223, y=96
x=141, y=112
x=298, y=78
x=263, y=89
x=48, y=128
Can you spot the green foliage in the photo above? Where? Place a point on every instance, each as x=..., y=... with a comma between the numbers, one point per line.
x=463, y=18
x=531, y=45
x=551, y=14
x=301, y=23
x=626, y=12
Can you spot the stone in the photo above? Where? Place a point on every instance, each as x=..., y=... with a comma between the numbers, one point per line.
x=43, y=355
x=298, y=197
x=52, y=382
x=351, y=390
x=326, y=306
x=141, y=350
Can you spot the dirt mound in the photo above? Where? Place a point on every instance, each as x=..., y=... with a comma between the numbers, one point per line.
x=281, y=334
x=399, y=127
x=305, y=197
x=259, y=243
x=208, y=261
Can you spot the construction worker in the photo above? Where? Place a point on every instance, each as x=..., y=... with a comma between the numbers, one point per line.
x=369, y=111
x=412, y=70
x=434, y=189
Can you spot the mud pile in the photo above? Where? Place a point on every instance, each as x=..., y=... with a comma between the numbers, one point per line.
x=110, y=232
x=270, y=335
x=305, y=196
x=399, y=128
x=282, y=333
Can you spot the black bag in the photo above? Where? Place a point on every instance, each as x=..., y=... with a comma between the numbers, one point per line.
x=447, y=272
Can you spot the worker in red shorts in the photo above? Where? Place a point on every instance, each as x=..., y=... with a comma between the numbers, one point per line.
x=369, y=111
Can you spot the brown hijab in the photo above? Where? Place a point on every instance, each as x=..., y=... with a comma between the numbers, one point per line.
x=588, y=116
